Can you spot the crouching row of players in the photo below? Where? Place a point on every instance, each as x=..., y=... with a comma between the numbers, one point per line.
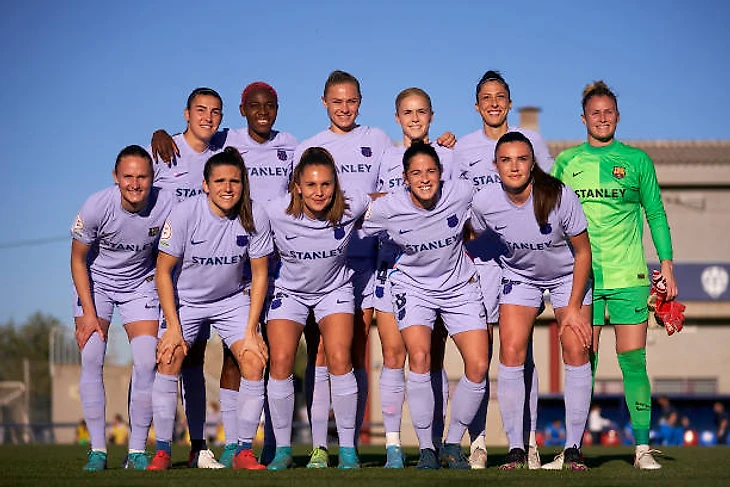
x=211, y=270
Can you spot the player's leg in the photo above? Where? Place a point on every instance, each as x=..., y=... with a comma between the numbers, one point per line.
x=229, y=384
x=317, y=393
x=392, y=386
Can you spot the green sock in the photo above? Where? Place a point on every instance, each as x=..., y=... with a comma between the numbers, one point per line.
x=637, y=390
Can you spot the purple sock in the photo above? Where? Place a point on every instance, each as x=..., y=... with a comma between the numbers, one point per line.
x=144, y=358
x=392, y=395
x=344, y=404
x=361, y=377
x=578, y=389
x=478, y=425
x=511, y=397
x=319, y=412
x=229, y=405
x=250, y=405
x=281, y=404
x=91, y=390
x=421, y=406
x=467, y=397
x=164, y=404
x=194, y=401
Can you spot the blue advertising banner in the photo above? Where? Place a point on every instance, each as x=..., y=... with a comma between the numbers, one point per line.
x=706, y=281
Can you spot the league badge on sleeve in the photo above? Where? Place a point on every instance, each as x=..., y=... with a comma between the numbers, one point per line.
x=78, y=227
x=166, y=233
x=366, y=151
x=619, y=172
x=452, y=221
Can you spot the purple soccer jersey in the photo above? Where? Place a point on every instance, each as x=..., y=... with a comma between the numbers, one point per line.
x=433, y=259
x=313, y=252
x=123, y=244
x=212, y=250
x=390, y=177
x=184, y=177
x=269, y=164
x=535, y=254
x=358, y=155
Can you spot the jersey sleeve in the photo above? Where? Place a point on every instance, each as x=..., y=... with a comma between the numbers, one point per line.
x=478, y=221
x=174, y=234
x=376, y=217
x=260, y=244
x=572, y=218
x=86, y=226
x=651, y=200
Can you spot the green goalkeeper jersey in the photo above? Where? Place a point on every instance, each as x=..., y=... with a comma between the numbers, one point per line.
x=614, y=183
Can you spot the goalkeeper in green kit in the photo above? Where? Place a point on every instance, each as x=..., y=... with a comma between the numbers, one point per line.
x=616, y=185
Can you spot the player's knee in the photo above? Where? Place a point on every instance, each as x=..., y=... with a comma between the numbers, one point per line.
x=394, y=357
x=476, y=369
x=419, y=361
x=339, y=361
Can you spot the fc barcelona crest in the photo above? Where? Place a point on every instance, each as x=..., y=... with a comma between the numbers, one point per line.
x=366, y=151
x=619, y=172
x=281, y=154
x=452, y=221
x=242, y=240
x=339, y=233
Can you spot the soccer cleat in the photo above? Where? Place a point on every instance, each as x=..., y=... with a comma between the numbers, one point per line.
x=452, y=456
x=246, y=460
x=557, y=463
x=427, y=460
x=320, y=458
x=533, y=458
x=395, y=457
x=203, y=459
x=348, y=458
x=137, y=461
x=282, y=459
x=161, y=461
x=267, y=454
x=96, y=461
x=227, y=456
x=644, y=458
x=516, y=458
x=478, y=458
x=574, y=460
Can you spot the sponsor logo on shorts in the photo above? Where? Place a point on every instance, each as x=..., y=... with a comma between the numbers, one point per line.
x=196, y=242
x=640, y=309
x=343, y=301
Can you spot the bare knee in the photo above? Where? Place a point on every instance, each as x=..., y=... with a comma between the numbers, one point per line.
x=419, y=361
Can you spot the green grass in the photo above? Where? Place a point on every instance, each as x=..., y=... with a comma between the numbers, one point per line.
x=61, y=465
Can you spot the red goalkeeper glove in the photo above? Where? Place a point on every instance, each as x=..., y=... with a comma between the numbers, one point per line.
x=667, y=313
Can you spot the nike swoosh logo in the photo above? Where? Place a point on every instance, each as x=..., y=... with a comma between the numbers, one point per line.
x=404, y=231
x=577, y=173
x=500, y=228
x=394, y=168
x=196, y=242
x=339, y=301
x=149, y=307
x=178, y=174
x=291, y=237
x=472, y=163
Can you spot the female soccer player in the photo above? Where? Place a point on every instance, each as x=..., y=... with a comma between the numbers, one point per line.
x=473, y=156
x=434, y=276
x=183, y=175
x=414, y=113
x=206, y=242
x=541, y=223
x=312, y=227
x=614, y=183
x=112, y=264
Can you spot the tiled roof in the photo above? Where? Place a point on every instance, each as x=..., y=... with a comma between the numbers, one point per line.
x=708, y=152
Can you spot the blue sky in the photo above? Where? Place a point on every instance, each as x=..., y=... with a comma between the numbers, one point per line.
x=82, y=79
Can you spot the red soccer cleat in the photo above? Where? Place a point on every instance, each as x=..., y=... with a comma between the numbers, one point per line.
x=246, y=460
x=161, y=461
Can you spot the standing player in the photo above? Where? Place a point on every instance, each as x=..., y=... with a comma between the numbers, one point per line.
x=414, y=113
x=474, y=155
x=434, y=277
x=357, y=151
x=312, y=227
x=541, y=222
x=615, y=182
x=112, y=264
x=205, y=243
x=184, y=176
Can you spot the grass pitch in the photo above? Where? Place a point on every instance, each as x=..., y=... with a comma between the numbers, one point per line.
x=42, y=465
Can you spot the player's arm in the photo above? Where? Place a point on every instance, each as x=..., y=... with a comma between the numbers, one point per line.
x=87, y=324
x=172, y=338
x=163, y=147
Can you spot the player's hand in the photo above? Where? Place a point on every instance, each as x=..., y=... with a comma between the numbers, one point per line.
x=254, y=343
x=579, y=325
x=86, y=325
x=447, y=139
x=171, y=340
x=163, y=147
x=667, y=271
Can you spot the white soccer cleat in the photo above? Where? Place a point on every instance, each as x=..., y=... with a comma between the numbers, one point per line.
x=533, y=458
x=644, y=458
x=206, y=459
x=556, y=464
x=478, y=458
